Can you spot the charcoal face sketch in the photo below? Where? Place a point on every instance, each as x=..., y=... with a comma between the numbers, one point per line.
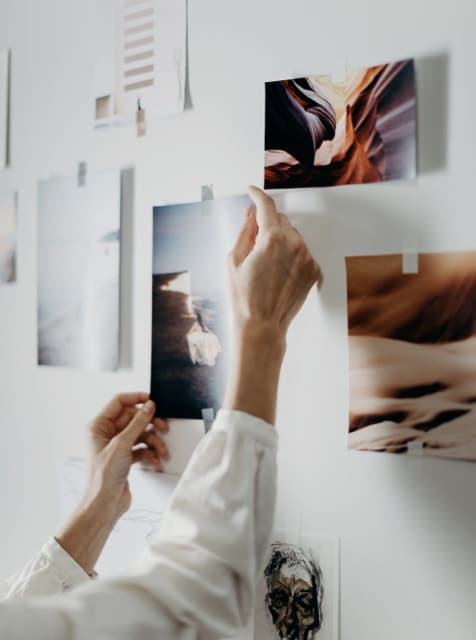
x=412, y=346
x=191, y=311
x=295, y=592
x=322, y=131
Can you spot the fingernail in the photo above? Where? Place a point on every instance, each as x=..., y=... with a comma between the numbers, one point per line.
x=148, y=408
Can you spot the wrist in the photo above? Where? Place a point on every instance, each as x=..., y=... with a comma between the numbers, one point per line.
x=254, y=376
x=85, y=534
x=261, y=340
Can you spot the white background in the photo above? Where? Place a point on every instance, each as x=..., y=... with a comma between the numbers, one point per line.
x=407, y=525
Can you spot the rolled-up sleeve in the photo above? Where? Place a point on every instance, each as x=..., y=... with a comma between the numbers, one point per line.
x=51, y=571
x=197, y=579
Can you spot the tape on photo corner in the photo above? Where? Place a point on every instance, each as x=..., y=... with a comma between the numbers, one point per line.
x=415, y=448
x=208, y=416
x=340, y=73
x=82, y=173
x=207, y=192
x=410, y=259
x=140, y=120
x=207, y=196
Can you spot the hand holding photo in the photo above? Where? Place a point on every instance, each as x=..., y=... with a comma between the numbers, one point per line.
x=322, y=131
x=412, y=347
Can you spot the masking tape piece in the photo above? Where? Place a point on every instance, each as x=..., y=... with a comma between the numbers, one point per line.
x=410, y=260
x=208, y=416
x=82, y=172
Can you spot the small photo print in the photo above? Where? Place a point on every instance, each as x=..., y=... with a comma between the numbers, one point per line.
x=191, y=320
x=298, y=593
x=8, y=237
x=326, y=131
x=78, y=271
x=412, y=354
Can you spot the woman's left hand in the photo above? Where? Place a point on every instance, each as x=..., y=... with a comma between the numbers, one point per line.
x=123, y=433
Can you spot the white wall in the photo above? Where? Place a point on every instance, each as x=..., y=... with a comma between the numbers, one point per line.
x=407, y=525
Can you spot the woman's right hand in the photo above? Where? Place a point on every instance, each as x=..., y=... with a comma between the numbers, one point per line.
x=271, y=272
x=271, y=269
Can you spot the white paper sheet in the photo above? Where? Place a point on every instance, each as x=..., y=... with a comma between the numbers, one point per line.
x=140, y=54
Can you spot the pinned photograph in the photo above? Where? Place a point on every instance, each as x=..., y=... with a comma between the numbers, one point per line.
x=8, y=237
x=298, y=592
x=412, y=350
x=139, y=60
x=4, y=108
x=326, y=131
x=78, y=271
x=191, y=312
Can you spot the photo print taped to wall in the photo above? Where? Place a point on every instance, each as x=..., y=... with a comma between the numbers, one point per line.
x=412, y=349
x=79, y=271
x=191, y=324
x=8, y=237
x=326, y=131
x=297, y=595
x=140, y=59
x=4, y=109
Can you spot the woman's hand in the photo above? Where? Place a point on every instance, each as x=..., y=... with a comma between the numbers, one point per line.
x=119, y=436
x=271, y=269
x=271, y=273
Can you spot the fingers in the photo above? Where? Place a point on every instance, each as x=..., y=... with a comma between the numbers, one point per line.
x=128, y=413
x=139, y=423
x=156, y=444
x=147, y=458
x=266, y=213
x=246, y=238
x=115, y=407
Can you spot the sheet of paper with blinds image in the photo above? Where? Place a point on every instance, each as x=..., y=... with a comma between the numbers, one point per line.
x=140, y=58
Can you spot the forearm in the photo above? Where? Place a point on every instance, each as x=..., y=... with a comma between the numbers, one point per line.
x=256, y=367
x=198, y=581
x=86, y=533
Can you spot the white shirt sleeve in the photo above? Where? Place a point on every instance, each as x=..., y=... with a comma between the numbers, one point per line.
x=51, y=571
x=197, y=580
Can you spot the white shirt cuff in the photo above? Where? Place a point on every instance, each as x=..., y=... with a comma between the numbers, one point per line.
x=261, y=431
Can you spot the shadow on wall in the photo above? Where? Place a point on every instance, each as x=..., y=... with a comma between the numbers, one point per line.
x=432, y=74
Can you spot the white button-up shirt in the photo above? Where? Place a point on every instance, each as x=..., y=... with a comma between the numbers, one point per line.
x=196, y=581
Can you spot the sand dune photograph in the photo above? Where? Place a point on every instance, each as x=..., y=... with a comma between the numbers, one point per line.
x=412, y=354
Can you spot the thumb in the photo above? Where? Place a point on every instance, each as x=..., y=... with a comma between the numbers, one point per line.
x=266, y=213
x=246, y=238
x=137, y=425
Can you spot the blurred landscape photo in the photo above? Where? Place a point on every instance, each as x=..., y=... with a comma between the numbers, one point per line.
x=8, y=237
x=191, y=312
x=78, y=271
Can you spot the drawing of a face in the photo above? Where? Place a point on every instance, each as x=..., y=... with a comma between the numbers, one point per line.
x=294, y=592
